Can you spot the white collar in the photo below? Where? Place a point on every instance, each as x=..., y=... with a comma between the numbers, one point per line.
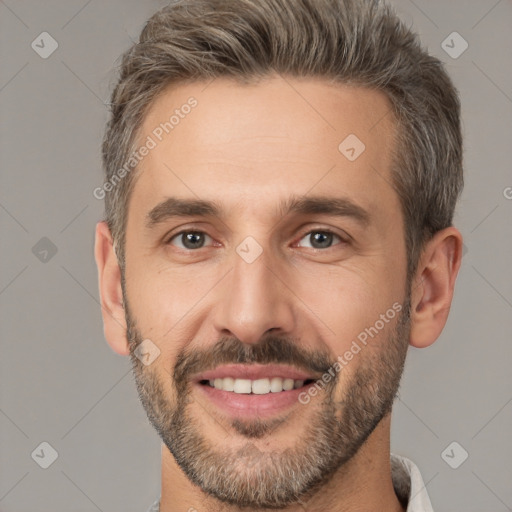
x=408, y=485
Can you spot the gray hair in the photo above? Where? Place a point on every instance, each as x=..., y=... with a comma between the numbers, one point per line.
x=355, y=42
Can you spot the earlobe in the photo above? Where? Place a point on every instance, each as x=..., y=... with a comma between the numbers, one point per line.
x=433, y=286
x=111, y=296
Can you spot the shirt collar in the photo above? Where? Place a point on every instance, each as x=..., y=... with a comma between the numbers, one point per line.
x=408, y=485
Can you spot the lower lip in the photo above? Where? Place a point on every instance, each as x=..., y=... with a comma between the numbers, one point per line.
x=250, y=405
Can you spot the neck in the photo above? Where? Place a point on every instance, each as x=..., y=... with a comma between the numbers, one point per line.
x=363, y=483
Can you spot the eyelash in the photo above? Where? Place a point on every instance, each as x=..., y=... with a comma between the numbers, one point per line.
x=324, y=231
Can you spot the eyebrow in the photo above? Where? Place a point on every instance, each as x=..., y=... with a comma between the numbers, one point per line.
x=335, y=206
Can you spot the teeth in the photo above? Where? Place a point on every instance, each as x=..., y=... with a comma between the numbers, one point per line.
x=276, y=384
x=261, y=386
x=241, y=386
x=227, y=384
x=258, y=387
x=287, y=384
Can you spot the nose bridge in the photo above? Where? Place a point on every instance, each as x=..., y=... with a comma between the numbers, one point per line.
x=254, y=300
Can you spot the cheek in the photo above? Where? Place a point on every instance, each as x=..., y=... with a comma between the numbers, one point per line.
x=349, y=302
x=160, y=298
x=167, y=306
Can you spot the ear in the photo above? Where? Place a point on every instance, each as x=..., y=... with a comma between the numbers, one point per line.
x=111, y=295
x=433, y=286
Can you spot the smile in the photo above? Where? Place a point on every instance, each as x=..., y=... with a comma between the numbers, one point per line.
x=253, y=390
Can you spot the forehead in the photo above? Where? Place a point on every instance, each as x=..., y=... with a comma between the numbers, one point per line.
x=225, y=140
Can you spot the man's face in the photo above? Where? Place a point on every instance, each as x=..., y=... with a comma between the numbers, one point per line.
x=257, y=296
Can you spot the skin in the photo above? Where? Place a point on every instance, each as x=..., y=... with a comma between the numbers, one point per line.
x=248, y=148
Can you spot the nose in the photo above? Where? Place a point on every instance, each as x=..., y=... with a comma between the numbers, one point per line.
x=254, y=300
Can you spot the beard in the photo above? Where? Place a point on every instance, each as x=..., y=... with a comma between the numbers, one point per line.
x=332, y=433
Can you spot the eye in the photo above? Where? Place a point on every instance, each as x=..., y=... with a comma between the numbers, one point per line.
x=320, y=239
x=189, y=239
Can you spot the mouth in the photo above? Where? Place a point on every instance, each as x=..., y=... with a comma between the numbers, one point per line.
x=253, y=391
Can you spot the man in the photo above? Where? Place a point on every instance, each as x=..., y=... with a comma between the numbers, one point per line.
x=281, y=177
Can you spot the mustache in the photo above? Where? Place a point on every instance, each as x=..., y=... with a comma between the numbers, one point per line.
x=271, y=349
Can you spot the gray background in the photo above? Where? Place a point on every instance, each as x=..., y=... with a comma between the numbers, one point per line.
x=61, y=383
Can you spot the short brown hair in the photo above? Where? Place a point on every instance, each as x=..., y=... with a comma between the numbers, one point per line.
x=357, y=42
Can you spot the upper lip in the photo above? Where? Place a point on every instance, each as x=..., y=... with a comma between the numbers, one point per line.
x=254, y=372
